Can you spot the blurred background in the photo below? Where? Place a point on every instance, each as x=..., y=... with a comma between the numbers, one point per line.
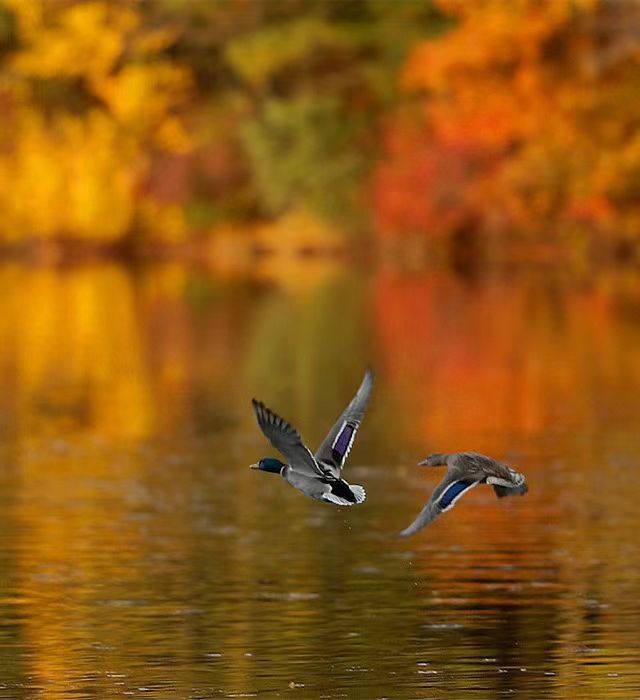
x=201, y=202
x=209, y=130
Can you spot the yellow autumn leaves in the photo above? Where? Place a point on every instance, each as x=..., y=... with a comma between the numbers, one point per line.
x=173, y=123
x=77, y=169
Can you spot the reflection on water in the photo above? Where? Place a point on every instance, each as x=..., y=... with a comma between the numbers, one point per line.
x=141, y=557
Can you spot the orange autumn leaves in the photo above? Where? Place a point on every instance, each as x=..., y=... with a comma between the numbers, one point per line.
x=154, y=123
x=526, y=128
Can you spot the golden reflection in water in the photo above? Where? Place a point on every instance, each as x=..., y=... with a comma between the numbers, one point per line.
x=130, y=513
x=74, y=352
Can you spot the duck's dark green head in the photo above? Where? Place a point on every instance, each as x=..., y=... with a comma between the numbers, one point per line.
x=269, y=464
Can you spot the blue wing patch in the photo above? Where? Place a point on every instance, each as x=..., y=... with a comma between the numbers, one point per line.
x=342, y=443
x=453, y=492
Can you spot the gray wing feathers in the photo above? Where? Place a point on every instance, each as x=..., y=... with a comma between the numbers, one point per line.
x=427, y=514
x=432, y=510
x=286, y=439
x=335, y=448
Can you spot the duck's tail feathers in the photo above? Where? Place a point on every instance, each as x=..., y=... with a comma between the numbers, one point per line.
x=337, y=500
x=502, y=491
x=359, y=493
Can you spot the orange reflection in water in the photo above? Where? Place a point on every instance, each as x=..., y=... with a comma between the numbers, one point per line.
x=505, y=356
x=544, y=371
x=138, y=544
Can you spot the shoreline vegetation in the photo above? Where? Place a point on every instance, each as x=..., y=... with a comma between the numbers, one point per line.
x=479, y=133
x=237, y=249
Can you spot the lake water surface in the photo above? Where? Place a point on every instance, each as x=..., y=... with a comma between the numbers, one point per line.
x=141, y=557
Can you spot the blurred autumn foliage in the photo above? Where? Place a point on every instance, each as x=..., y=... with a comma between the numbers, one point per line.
x=152, y=126
x=149, y=123
x=528, y=127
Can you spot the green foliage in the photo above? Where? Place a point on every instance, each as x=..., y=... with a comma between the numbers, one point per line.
x=319, y=78
x=302, y=153
x=259, y=57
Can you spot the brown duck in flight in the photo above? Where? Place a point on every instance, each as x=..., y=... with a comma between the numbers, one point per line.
x=465, y=470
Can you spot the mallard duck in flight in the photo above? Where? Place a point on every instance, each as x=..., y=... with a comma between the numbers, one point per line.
x=319, y=475
x=465, y=470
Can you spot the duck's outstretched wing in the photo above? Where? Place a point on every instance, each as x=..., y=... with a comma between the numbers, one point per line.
x=444, y=497
x=285, y=438
x=335, y=448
